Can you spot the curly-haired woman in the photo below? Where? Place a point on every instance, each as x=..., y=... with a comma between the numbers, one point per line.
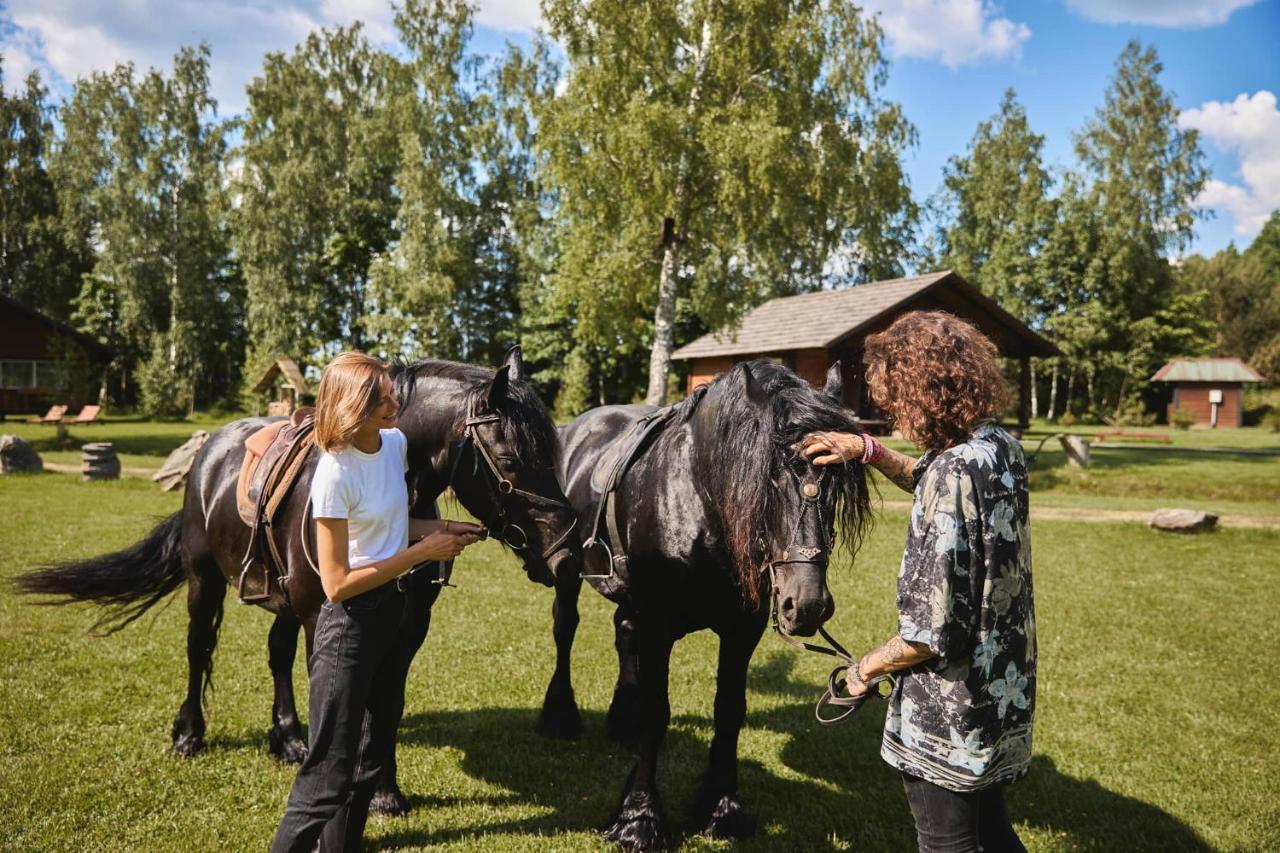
x=959, y=721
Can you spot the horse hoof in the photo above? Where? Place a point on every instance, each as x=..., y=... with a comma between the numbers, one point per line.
x=726, y=818
x=187, y=745
x=638, y=825
x=560, y=719
x=391, y=803
x=287, y=747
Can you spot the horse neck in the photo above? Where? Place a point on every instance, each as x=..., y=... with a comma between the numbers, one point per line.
x=432, y=423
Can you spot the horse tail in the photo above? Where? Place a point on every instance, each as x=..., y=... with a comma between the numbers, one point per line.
x=125, y=583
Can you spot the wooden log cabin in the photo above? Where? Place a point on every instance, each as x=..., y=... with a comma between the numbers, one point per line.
x=811, y=331
x=1210, y=389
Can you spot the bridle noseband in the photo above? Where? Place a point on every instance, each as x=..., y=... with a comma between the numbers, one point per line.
x=502, y=490
x=835, y=695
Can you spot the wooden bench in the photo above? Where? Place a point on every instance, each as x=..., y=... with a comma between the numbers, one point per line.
x=1134, y=436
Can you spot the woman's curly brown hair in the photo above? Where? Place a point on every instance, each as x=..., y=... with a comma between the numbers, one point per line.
x=936, y=375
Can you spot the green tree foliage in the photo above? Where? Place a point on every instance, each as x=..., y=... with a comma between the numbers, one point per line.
x=1105, y=271
x=998, y=211
x=316, y=195
x=39, y=265
x=1243, y=298
x=139, y=171
x=755, y=127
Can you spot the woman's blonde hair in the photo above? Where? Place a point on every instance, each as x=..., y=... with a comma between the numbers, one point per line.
x=350, y=389
x=937, y=376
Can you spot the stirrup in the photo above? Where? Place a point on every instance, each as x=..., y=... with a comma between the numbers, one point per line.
x=615, y=562
x=256, y=598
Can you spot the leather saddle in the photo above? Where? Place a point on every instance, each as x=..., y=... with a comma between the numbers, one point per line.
x=604, y=553
x=274, y=456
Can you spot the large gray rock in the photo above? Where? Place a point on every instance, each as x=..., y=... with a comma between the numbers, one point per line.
x=1183, y=520
x=18, y=457
x=173, y=474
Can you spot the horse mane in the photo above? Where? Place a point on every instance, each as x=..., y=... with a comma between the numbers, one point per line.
x=751, y=449
x=529, y=430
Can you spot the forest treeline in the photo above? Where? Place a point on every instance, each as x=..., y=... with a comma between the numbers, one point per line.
x=637, y=176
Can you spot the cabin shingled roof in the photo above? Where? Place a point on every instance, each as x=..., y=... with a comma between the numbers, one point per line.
x=1206, y=370
x=808, y=320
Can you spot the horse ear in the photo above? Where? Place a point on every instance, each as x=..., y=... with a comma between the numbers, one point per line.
x=835, y=383
x=755, y=391
x=496, y=396
x=514, y=362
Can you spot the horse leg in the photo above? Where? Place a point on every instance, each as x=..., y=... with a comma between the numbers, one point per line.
x=285, y=734
x=560, y=717
x=621, y=722
x=384, y=715
x=206, y=588
x=639, y=823
x=717, y=811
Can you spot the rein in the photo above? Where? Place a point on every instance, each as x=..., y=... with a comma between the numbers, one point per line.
x=501, y=489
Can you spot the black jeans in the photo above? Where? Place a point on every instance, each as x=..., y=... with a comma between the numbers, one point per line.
x=354, y=705
x=949, y=822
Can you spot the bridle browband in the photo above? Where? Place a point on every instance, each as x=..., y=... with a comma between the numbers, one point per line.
x=502, y=490
x=835, y=695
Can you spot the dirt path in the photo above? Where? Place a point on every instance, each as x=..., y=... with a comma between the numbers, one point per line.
x=1138, y=516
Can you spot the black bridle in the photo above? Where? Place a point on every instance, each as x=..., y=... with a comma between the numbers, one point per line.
x=836, y=694
x=501, y=490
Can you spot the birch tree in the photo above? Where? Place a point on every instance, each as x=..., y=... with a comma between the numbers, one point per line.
x=713, y=154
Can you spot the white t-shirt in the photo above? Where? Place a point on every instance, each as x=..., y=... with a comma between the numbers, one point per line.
x=369, y=491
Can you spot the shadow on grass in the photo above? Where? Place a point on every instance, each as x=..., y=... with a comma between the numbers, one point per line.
x=836, y=792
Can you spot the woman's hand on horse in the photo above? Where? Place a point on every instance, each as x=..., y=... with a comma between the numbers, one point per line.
x=458, y=527
x=831, y=448
x=443, y=546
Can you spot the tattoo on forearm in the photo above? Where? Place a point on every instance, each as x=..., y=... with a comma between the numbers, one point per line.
x=894, y=654
x=898, y=467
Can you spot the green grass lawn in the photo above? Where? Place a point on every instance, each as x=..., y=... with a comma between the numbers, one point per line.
x=1158, y=723
x=139, y=443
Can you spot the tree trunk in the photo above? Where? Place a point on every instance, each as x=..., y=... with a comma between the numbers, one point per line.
x=1071, y=387
x=1053, y=390
x=664, y=315
x=1088, y=384
x=1035, y=400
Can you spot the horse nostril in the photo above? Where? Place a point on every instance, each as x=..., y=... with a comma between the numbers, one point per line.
x=788, y=605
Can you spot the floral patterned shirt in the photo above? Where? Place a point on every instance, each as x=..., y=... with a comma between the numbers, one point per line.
x=962, y=720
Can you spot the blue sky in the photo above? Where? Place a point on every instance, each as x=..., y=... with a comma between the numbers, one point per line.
x=952, y=59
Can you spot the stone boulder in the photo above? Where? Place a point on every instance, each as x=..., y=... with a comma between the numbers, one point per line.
x=18, y=457
x=1182, y=520
x=173, y=474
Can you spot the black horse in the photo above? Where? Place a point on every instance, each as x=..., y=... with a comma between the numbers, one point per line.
x=719, y=517
x=484, y=433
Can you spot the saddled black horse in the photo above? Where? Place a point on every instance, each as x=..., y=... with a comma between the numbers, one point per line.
x=719, y=516
x=483, y=432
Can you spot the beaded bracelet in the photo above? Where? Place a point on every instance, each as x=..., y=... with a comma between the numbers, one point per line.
x=872, y=450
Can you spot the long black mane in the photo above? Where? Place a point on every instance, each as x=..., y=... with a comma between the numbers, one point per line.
x=528, y=428
x=755, y=444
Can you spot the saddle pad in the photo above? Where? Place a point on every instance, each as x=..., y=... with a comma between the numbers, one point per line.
x=272, y=459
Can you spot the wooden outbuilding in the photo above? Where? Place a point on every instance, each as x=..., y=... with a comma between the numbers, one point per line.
x=44, y=362
x=283, y=384
x=1211, y=389
x=811, y=331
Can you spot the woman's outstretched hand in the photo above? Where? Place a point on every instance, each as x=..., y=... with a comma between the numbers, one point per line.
x=831, y=448
x=442, y=545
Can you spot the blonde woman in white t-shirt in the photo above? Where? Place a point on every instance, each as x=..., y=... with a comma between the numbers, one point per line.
x=361, y=505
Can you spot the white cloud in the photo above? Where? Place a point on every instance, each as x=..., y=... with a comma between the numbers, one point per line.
x=954, y=32
x=1250, y=127
x=1188, y=14
x=67, y=39
x=511, y=15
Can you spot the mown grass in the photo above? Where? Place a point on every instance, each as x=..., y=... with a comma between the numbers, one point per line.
x=1157, y=726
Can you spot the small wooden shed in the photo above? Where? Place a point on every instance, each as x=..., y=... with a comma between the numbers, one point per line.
x=811, y=331
x=283, y=384
x=1211, y=389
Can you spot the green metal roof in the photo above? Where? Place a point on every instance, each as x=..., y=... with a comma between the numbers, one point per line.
x=1206, y=370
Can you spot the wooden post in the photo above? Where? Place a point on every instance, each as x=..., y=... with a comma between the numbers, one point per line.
x=1024, y=392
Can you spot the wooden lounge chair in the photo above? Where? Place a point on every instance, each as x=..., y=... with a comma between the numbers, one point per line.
x=88, y=415
x=53, y=416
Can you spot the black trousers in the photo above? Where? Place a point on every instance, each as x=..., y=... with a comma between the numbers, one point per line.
x=355, y=704
x=950, y=822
